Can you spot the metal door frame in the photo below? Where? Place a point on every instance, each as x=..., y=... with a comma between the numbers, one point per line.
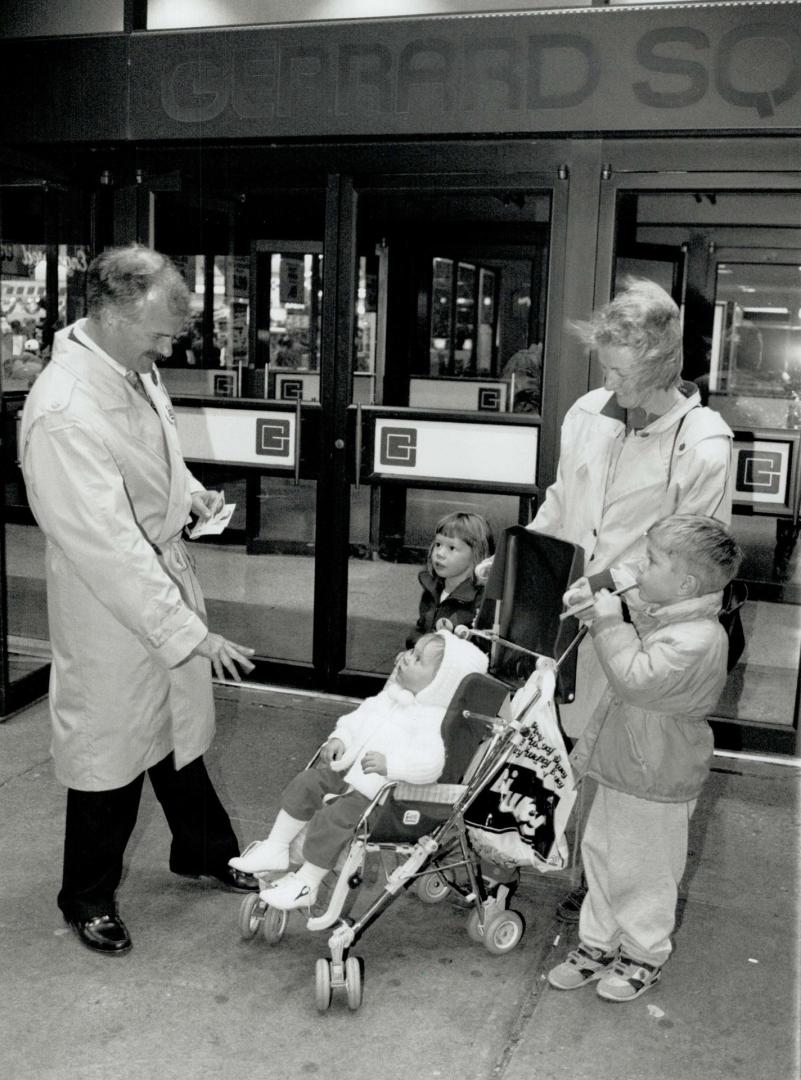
x=340, y=432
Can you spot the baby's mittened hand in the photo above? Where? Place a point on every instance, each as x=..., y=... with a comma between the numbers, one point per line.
x=373, y=762
x=332, y=751
x=607, y=606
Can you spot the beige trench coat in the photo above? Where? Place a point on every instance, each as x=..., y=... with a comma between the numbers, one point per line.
x=108, y=486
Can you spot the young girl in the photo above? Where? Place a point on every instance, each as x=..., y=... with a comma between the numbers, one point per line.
x=450, y=589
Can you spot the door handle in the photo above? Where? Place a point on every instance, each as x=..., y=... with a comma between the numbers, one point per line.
x=358, y=448
x=297, y=442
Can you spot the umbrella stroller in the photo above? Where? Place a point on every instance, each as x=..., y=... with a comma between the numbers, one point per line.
x=503, y=798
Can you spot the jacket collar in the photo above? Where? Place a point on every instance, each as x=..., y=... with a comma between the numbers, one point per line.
x=604, y=403
x=466, y=590
x=697, y=607
x=72, y=353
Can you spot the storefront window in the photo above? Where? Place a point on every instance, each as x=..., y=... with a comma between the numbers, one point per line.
x=755, y=361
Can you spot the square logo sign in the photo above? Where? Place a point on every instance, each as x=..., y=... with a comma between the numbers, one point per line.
x=759, y=471
x=398, y=447
x=272, y=438
x=292, y=390
x=489, y=399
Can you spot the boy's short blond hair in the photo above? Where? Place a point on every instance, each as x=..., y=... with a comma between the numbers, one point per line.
x=704, y=545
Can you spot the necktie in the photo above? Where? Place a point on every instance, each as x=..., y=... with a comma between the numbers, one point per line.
x=135, y=379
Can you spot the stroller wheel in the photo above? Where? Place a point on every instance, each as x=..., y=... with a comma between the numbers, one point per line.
x=322, y=985
x=354, y=981
x=503, y=933
x=273, y=925
x=431, y=889
x=475, y=931
x=251, y=912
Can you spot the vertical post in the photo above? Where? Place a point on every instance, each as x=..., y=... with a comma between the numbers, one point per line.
x=332, y=531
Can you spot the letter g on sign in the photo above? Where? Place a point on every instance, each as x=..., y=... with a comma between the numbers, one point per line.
x=194, y=90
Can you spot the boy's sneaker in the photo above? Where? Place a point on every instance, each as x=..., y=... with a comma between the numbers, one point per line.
x=582, y=966
x=261, y=856
x=628, y=979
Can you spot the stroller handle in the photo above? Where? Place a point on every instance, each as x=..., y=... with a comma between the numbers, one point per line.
x=490, y=635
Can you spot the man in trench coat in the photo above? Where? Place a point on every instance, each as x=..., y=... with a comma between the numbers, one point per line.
x=132, y=656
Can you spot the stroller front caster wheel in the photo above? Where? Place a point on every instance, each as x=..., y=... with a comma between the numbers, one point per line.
x=475, y=931
x=503, y=933
x=273, y=925
x=322, y=985
x=251, y=913
x=431, y=889
x=354, y=981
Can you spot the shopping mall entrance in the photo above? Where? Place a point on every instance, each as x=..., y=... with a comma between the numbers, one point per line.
x=385, y=340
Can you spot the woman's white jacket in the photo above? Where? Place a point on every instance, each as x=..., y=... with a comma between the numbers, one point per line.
x=679, y=470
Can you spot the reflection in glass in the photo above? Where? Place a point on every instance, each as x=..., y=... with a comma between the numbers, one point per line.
x=755, y=383
x=262, y=595
x=441, y=314
x=289, y=287
x=28, y=634
x=27, y=270
x=465, y=328
x=762, y=687
x=755, y=357
x=486, y=321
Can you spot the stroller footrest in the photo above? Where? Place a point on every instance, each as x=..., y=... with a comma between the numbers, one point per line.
x=445, y=794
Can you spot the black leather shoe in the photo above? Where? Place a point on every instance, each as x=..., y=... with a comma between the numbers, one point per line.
x=233, y=880
x=105, y=934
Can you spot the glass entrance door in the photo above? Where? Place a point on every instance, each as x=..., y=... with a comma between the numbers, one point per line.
x=44, y=252
x=732, y=259
x=453, y=333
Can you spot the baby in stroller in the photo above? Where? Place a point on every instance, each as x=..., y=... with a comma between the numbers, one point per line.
x=395, y=735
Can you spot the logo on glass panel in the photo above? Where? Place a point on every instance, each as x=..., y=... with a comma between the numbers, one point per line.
x=489, y=399
x=759, y=472
x=291, y=389
x=398, y=447
x=272, y=438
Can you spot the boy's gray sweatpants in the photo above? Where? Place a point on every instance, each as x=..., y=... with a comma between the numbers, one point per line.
x=634, y=853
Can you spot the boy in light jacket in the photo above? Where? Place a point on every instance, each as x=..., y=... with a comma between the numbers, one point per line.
x=649, y=747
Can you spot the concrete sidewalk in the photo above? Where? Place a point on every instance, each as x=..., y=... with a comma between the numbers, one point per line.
x=192, y=1000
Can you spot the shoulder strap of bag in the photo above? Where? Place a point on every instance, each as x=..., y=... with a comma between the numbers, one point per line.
x=679, y=426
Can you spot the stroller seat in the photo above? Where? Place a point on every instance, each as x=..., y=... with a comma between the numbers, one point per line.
x=411, y=809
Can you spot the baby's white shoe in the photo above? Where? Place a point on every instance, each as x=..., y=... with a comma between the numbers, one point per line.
x=261, y=856
x=289, y=893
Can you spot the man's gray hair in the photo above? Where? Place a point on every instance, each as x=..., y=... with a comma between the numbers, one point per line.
x=122, y=277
